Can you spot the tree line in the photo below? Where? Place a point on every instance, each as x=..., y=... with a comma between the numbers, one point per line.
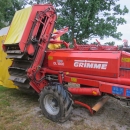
x=86, y=19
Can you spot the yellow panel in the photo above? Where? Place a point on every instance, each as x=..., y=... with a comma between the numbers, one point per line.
x=17, y=26
x=0, y=51
x=4, y=64
x=54, y=45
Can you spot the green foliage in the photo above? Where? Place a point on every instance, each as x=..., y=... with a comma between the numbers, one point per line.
x=38, y=1
x=86, y=19
x=110, y=43
x=94, y=43
x=89, y=18
x=3, y=5
x=8, y=9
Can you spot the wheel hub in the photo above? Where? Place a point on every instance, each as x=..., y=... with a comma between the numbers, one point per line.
x=51, y=104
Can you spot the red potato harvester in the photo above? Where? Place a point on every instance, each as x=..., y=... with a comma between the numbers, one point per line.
x=100, y=70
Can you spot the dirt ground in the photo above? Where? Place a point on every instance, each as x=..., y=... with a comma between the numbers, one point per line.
x=20, y=111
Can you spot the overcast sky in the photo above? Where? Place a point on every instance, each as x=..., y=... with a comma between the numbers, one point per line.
x=124, y=29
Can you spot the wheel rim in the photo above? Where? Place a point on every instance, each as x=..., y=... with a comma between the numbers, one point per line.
x=51, y=104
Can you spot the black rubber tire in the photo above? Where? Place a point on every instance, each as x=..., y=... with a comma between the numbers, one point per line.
x=64, y=101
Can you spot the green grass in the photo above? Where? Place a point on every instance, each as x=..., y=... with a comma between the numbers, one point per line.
x=11, y=103
x=3, y=88
x=17, y=111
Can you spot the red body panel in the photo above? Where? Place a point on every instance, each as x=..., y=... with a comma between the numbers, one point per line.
x=107, y=88
x=86, y=62
x=104, y=79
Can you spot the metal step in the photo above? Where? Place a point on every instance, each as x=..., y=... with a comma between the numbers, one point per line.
x=18, y=68
x=13, y=52
x=18, y=79
x=12, y=56
x=23, y=64
x=17, y=72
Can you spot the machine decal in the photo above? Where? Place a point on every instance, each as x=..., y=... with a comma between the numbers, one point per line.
x=91, y=64
x=117, y=90
x=50, y=57
x=67, y=73
x=125, y=59
x=128, y=92
x=74, y=79
x=60, y=62
x=54, y=63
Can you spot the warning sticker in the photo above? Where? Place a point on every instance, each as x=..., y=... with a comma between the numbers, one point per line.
x=125, y=59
